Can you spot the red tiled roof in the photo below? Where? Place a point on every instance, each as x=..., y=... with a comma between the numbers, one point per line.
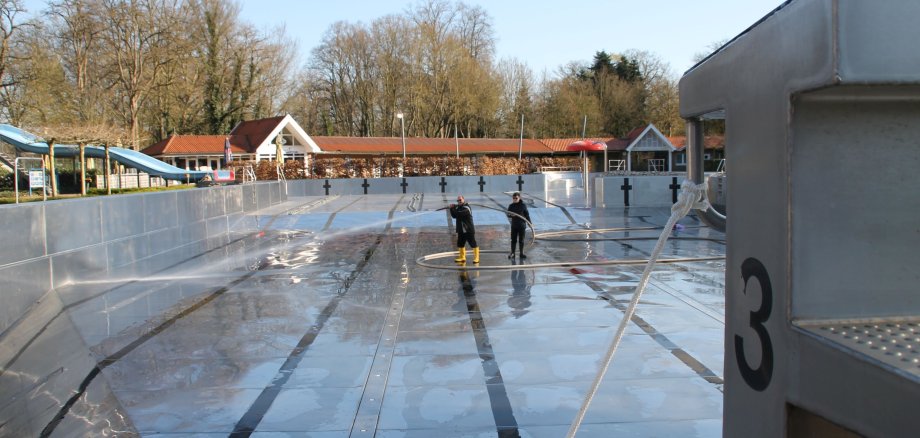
x=198, y=144
x=634, y=134
x=709, y=142
x=415, y=145
x=559, y=144
x=246, y=137
x=256, y=131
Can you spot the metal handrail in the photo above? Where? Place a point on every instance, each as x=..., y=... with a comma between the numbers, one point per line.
x=249, y=173
x=542, y=169
x=281, y=177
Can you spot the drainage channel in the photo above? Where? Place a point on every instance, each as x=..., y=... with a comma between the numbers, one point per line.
x=368, y=413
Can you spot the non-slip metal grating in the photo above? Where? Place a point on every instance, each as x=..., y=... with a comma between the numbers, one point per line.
x=896, y=343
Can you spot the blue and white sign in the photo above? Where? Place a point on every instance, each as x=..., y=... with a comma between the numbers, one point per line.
x=36, y=178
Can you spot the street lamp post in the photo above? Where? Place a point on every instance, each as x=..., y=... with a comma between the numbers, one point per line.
x=402, y=128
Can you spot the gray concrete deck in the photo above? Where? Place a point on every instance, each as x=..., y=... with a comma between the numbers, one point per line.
x=324, y=326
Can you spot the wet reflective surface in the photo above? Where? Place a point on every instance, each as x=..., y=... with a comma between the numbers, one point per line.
x=324, y=326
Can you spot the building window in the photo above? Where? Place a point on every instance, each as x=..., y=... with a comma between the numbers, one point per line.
x=680, y=158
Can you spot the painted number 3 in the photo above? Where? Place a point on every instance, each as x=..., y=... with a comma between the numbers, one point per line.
x=757, y=378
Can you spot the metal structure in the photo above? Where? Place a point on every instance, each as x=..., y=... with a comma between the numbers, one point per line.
x=249, y=175
x=25, y=141
x=402, y=131
x=822, y=311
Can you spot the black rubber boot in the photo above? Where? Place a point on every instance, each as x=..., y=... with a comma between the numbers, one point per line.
x=511, y=255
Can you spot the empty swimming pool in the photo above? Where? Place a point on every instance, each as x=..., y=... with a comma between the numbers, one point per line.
x=318, y=322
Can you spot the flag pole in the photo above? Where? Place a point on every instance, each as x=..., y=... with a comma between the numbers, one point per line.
x=521, y=143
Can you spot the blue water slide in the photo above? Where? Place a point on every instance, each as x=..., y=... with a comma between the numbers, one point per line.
x=26, y=141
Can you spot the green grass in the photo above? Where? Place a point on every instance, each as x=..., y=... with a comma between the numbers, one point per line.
x=9, y=197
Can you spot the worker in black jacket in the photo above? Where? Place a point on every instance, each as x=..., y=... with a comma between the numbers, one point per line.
x=518, y=224
x=462, y=212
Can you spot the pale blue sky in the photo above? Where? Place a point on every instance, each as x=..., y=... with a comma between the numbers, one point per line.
x=547, y=34
x=544, y=34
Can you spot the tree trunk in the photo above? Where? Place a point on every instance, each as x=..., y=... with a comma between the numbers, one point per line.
x=108, y=171
x=51, y=168
x=82, y=169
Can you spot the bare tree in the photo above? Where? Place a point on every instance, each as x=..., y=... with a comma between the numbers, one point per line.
x=517, y=97
x=710, y=48
x=270, y=63
x=391, y=70
x=305, y=103
x=77, y=29
x=474, y=26
x=244, y=72
x=9, y=25
x=136, y=35
x=177, y=100
x=13, y=61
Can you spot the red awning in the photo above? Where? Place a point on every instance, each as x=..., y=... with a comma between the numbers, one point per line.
x=586, y=145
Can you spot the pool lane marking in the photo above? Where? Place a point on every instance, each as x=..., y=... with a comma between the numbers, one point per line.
x=79, y=302
x=250, y=420
x=694, y=364
x=495, y=385
x=503, y=207
x=691, y=362
x=332, y=216
x=112, y=358
x=256, y=412
x=564, y=211
x=690, y=301
x=97, y=369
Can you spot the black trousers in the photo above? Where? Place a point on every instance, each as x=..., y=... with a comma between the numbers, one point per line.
x=517, y=238
x=463, y=238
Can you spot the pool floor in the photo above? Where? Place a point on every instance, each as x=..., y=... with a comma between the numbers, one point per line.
x=323, y=325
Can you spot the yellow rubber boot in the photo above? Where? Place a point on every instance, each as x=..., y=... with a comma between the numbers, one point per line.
x=476, y=255
x=462, y=257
